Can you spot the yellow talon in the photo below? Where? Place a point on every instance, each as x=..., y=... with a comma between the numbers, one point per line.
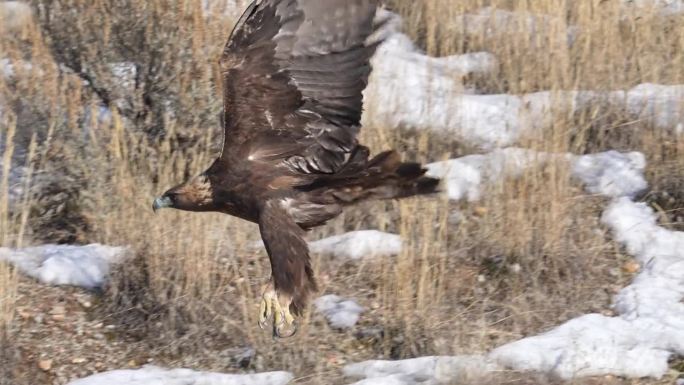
x=278, y=306
x=265, y=310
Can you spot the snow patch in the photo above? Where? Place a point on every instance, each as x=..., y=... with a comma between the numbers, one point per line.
x=655, y=296
x=358, y=245
x=660, y=104
x=84, y=266
x=152, y=375
x=15, y=16
x=495, y=121
x=341, y=313
x=10, y=68
x=649, y=327
x=610, y=173
x=399, y=56
x=422, y=370
x=464, y=177
x=590, y=345
x=410, y=89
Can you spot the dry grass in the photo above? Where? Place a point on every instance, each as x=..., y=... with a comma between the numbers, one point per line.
x=193, y=287
x=13, y=223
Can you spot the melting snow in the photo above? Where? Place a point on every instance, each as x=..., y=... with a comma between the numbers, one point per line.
x=357, y=245
x=152, y=375
x=650, y=325
x=85, y=266
x=341, y=313
x=410, y=89
x=15, y=16
x=660, y=104
x=88, y=266
x=493, y=121
x=399, y=57
x=464, y=177
x=657, y=292
x=422, y=370
x=610, y=173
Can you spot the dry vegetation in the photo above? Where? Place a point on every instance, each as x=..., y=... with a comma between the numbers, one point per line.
x=191, y=293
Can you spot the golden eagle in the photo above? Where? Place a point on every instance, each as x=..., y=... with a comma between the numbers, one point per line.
x=293, y=76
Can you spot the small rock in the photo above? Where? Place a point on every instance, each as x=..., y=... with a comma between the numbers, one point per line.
x=481, y=278
x=99, y=365
x=24, y=314
x=58, y=317
x=631, y=267
x=58, y=309
x=45, y=365
x=335, y=359
x=239, y=357
x=370, y=333
x=78, y=360
x=480, y=211
x=455, y=218
x=132, y=363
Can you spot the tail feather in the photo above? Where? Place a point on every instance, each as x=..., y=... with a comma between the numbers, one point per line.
x=387, y=177
x=410, y=180
x=410, y=170
x=384, y=176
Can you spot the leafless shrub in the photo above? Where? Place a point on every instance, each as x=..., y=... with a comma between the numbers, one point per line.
x=149, y=59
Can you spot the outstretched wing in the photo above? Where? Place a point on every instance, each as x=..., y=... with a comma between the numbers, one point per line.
x=293, y=75
x=288, y=252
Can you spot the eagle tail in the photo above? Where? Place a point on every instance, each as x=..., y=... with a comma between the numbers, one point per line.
x=396, y=179
x=383, y=177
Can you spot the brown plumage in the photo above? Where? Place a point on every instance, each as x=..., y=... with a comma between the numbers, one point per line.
x=293, y=76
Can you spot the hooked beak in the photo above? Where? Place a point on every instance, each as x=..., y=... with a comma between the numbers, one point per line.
x=161, y=202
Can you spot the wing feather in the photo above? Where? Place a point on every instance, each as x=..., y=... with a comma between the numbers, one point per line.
x=294, y=72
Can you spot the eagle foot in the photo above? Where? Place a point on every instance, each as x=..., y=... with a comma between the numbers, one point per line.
x=277, y=307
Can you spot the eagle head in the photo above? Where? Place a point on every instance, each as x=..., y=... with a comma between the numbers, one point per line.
x=193, y=195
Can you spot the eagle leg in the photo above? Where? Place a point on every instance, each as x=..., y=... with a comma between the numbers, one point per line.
x=276, y=306
x=292, y=280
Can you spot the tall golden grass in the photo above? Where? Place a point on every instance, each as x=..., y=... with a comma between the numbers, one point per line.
x=455, y=288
